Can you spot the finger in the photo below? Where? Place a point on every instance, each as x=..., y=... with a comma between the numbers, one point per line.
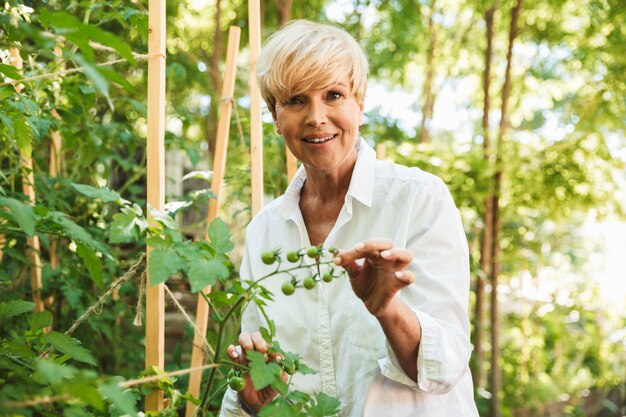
x=351, y=267
x=405, y=277
x=233, y=353
x=259, y=343
x=245, y=340
x=368, y=249
x=400, y=257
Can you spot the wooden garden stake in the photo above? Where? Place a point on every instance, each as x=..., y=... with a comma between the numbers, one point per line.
x=256, y=127
x=54, y=168
x=155, y=301
x=28, y=188
x=292, y=164
x=381, y=151
x=217, y=182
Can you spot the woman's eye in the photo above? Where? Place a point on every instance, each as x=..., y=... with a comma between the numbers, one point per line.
x=294, y=101
x=333, y=95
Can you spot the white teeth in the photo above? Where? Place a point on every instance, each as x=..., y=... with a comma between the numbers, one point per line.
x=318, y=140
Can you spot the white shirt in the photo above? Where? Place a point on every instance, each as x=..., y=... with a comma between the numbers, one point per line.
x=330, y=328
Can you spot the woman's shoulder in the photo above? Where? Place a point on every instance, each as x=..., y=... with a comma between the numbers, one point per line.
x=390, y=171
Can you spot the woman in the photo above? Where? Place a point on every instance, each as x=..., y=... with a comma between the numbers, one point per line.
x=393, y=340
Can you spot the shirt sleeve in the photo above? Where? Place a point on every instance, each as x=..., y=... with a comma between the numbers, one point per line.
x=439, y=297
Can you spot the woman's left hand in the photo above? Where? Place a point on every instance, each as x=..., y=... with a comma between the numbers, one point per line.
x=382, y=274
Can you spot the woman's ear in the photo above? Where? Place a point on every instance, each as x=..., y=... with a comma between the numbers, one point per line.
x=276, y=124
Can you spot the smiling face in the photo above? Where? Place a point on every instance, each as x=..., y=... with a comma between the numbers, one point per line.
x=321, y=127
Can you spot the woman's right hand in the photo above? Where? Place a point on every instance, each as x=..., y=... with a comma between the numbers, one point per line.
x=254, y=399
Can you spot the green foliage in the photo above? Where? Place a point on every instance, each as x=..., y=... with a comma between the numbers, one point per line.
x=559, y=159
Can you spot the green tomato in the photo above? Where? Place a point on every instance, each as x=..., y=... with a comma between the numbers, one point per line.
x=327, y=277
x=332, y=250
x=293, y=257
x=309, y=283
x=313, y=252
x=289, y=367
x=237, y=383
x=268, y=257
x=288, y=288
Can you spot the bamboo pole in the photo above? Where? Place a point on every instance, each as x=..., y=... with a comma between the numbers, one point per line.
x=381, y=150
x=292, y=164
x=256, y=127
x=54, y=168
x=155, y=294
x=217, y=182
x=28, y=188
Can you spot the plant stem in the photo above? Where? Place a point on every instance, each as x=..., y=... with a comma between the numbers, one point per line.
x=218, y=346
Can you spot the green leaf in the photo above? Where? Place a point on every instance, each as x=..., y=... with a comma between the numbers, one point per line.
x=6, y=91
x=325, y=405
x=74, y=231
x=75, y=411
x=103, y=193
x=263, y=374
x=220, y=236
x=70, y=346
x=108, y=39
x=22, y=213
x=49, y=372
x=163, y=263
x=92, y=262
x=10, y=72
x=120, y=397
x=39, y=320
x=24, y=133
x=87, y=393
x=202, y=274
x=164, y=219
x=304, y=369
x=58, y=20
x=96, y=78
x=126, y=226
x=15, y=308
x=277, y=408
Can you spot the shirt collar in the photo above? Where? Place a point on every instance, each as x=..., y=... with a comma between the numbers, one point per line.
x=361, y=184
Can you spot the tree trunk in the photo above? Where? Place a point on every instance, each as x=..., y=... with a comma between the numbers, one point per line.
x=215, y=81
x=429, y=97
x=284, y=11
x=496, y=377
x=486, y=246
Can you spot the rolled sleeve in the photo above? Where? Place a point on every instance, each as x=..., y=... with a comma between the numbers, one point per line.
x=441, y=359
x=231, y=406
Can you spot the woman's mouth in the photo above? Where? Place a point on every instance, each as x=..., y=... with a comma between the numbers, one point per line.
x=318, y=139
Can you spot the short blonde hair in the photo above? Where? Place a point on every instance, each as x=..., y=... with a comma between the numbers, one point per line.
x=304, y=55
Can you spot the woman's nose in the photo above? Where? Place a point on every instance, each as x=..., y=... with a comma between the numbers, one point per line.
x=315, y=113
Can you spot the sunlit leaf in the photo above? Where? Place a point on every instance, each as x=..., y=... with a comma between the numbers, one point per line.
x=220, y=236
x=92, y=262
x=203, y=274
x=103, y=193
x=70, y=346
x=15, y=308
x=22, y=213
x=162, y=264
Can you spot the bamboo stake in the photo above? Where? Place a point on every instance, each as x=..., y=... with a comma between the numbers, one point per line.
x=54, y=169
x=217, y=182
x=381, y=150
x=292, y=164
x=28, y=188
x=256, y=127
x=155, y=294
